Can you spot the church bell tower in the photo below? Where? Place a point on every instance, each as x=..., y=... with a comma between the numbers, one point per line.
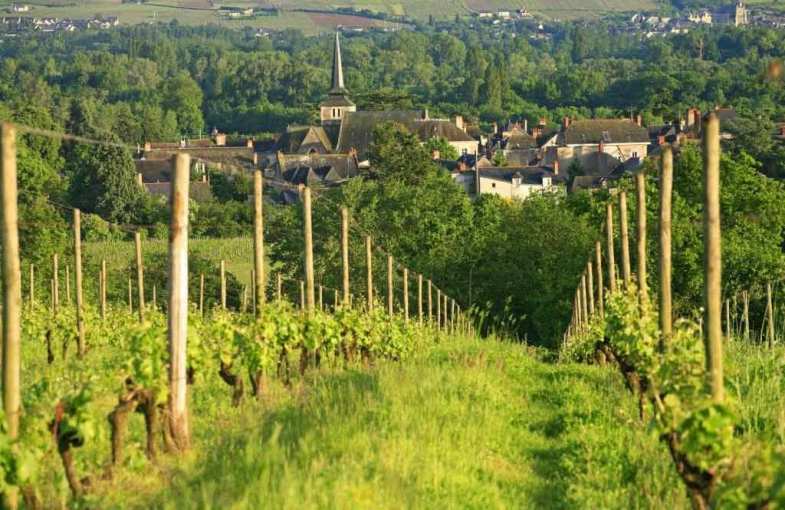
x=334, y=108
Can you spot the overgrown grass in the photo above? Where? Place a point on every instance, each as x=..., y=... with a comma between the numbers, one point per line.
x=467, y=425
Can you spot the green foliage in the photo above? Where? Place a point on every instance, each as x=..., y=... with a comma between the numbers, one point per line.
x=446, y=151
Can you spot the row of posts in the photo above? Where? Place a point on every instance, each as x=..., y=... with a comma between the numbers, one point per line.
x=590, y=295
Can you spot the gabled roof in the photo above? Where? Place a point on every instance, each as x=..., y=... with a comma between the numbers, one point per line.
x=357, y=128
x=607, y=131
x=529, y=175
x=302, y=140
x=519, y=140
x=317, y=168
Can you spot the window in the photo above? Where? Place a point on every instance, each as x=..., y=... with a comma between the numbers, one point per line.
x=493, y=185
x=465, y=151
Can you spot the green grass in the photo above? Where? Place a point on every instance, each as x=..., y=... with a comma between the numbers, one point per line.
x=467, y=425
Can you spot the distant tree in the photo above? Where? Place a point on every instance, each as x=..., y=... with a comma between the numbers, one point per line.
x=499, y=159
x=446, y=151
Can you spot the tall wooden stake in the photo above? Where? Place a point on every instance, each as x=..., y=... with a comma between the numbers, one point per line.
x=713, y=255
x=625, y=239
x=310, y=298
x=12, y=287
x=643, y=287
x=369, y=266
x=666, y=193
x=80, y=332
x=254, y=309
x=405, y=294
x=390, y=295
x=345, y=253
x=438, y=308
x=590, y=287
x=130, y=297
x=279, y=287
x=584, y=300
x=321, y=298
x=178, y=302
x=746, y=300
x=32, y=286
x=258, y=245
x=430, y=301
x=139, y=275
x=611, y=249
x=103, y=288
x=67, y=284
x=419, y=299
x=728, y=325
x=201, y=294
x=600, y=284
x=56, y=286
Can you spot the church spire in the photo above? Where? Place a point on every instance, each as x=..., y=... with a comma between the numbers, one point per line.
x=338, y=87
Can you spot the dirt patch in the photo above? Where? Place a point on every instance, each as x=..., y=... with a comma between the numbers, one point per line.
x=346, y=20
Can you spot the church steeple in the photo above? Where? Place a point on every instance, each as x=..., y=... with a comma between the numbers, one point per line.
x=338, y=87
x=337, y=105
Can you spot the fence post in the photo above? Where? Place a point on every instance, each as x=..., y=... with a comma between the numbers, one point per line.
x=584, y=300
x=302, y=295
x=310, y=297
x=345, y=253
x=728, y=330
x=12, y=287
x=139, y=274
x=369, y=266
x=713, y=255
x=67, y=284
x=155, y=298
x=640, y=186
x=611, y=248
x=279, y=288
x=254, y=309
x=419, y=298
x=600, y=283
x=80, y=339
x=56, y=286
x=321, y=298
x=625, y=240
x=406, y=294
x=130, y=297
x=666, y=192
x=746, y=299
x=390, y=295
x=223, y=285
x=430, y=302
x=438, y=308
x=258, y=245
x=590, y=286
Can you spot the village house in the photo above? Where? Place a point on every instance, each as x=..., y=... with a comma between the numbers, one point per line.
x=346, y=134
x=509, y=182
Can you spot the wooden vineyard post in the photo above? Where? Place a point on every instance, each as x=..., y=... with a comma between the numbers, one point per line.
x=579, y=309
x=336, y=301
x=139, y=275
x=728, y=329
x=369, y=266
x=444, y=312
x=130, y=297
x=625, y=240
x=390, y=290
x=438, y=308
x=611, y=248
x=279, y=287
x=223, y=285
x=584, y=300
x=67, y=284
x=590, y=287
x=600, y=283
x=712, y=256
x=178, y=302
x=770, y=315
x=103, y=288
x=746, y=299
x=419, y=299
x=640, y=186
x=405, y=294
x=430, y=301
x=258, y=245
x=155, y=298
x=201, y=294
x=80, y=339
x=345, y=253
x=308, y=227
x=12, y=288
x=32, y=286
x=302, y=295
x=321, y=298
x=666, y=193
x=244, y=300
x=56, y=285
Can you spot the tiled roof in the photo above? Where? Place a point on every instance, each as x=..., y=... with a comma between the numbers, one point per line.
x=608, y=131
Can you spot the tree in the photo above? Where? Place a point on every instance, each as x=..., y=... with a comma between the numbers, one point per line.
x=446, y=151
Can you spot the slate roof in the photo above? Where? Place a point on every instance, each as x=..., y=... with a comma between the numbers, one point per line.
x=336, y=100
x=529, y=175
x=608, y=131
x=302, y=140
x=317, y=169
x=357, y=128
x=520, y=139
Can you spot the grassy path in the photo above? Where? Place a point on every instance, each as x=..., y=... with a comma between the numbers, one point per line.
x=467, y=426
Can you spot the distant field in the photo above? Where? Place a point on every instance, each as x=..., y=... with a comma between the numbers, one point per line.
x=197, y=12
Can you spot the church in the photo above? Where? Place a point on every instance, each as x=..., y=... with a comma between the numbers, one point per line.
x=337, y=149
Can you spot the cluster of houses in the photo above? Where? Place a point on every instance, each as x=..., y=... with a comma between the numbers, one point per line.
x=512, y=161
x=13, y=25
x=738, y=15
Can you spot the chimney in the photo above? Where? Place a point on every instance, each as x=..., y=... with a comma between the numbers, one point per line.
x=525, y=125
x=565, y=123
x=495, y=128
x=220, y=140
x=255, y=159
x=601, y=146
x=556, y=167
x=537, y=132
x=436, y=154
x=459, y=122
x=661, y=140
x=147, y=146
x=425, y=115
x=249, y=143
x=693, y=117
x=542, y=122
x=139, y=179
x=639, y=120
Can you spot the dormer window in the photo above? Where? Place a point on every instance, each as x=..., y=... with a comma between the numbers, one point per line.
x=546, y=182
